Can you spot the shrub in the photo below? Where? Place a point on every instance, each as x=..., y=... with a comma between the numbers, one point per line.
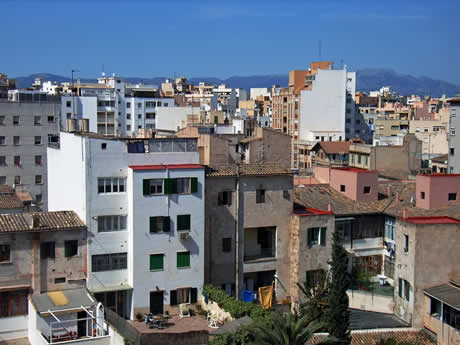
x=138, y=316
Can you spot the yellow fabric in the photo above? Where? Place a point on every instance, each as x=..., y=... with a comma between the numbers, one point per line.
x=58, y=298
x=266, y=296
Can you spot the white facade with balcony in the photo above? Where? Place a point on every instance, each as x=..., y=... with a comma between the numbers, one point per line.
x=132, y=256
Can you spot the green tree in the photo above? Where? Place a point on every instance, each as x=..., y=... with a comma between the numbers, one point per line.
x=315, y=293
x=338, y=316
x=284, y=330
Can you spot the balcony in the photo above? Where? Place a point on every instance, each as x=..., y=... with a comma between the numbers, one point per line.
x=263, y=253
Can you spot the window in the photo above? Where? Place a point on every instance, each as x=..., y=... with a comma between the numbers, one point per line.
x=390, y=228
x=313, y=277
x=2, y=120
x=452, y=151
x=38, y=179
x=183, y=259
x=37, y=120
x=111, y=185
x=69, y=115
x=159, y=224
x=404, y=289
x=156, y=262
x=260, y=196
x=60, y=280
x=70, y=248
x=109, y=262
x=5, y=253
x=68, y=104
x=38, y=140
x=452, y=131
x=128, y=105
x=2, y=140
x=139, y=105
x=50, y=119
x=224, y=198
x=17, y=160
x=286, y=195
x=139, y=116
x=153, y=186
x=2, y=160
x=47, y=250
x=183, y=295
x=452, y=196
x=406, y=243
x=16, y=120
x=183, y=185
x=38, y=160
x=16, y=140
x=17, y=180
x=111, y=223
x=422, y=195
x=342, y=188
x=227, y=244
x=2, y=180
x=103, y=146
x=367, y=189
x=316, y=236
x=425, y=130
x=13, y=303
x=128, y=128
x=183, y=222
x=38, y=198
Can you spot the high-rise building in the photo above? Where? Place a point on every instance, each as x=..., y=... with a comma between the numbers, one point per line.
x=454, y=140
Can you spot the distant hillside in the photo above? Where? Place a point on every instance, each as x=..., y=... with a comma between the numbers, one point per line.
x=367, y=80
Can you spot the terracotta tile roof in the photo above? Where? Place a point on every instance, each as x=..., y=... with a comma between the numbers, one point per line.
x=10, y=201
x=320, y=196
x=331, y=147
x=5, y=189
x=372, y=337
x=247, y=170
x=48, y=221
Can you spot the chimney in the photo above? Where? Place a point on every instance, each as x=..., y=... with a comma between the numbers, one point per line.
x=389, y=191
x=35, y=221
x=329, y=207
x=397, y=198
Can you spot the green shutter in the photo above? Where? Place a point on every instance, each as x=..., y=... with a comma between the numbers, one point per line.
x=156, y=262
x=308, y=278
x=309, y=236
x=183, y=259
x=170, y=185
x=183, y=222
x=194, y=184
x=322, y=237
x=153, y=224
x=67, y=249
x=146, y=187
x=400, y=288
x=166, y=224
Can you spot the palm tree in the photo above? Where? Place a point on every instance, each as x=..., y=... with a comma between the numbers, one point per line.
x=284, y=330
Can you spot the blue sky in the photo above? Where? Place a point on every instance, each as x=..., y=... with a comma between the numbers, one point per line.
x=225, y=38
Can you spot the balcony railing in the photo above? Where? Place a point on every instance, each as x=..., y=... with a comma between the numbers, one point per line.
x=263, y=253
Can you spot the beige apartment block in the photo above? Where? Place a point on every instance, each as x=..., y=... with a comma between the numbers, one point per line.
x=390, y=127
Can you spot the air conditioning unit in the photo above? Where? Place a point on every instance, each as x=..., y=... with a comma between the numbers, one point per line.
x=184, y=235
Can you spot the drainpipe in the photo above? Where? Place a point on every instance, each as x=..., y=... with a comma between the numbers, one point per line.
x=237, y=233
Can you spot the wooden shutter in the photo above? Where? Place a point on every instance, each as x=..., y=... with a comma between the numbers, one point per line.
x=322, y=237
x=153, y=224
x=309, y=236
x=194, y=295
x=146, y=187
x=193, y=184
x=172, y=297
x=156, y=262
x=166, y=224
x=308, y=278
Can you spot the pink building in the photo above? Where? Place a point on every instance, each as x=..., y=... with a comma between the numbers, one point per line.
x=436, y=190
x=357, y=184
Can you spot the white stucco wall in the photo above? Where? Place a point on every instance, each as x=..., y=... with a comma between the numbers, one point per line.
x=323, y=107
x=13, y=327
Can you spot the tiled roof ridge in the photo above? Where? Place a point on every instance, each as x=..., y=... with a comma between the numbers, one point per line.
x=51, y=220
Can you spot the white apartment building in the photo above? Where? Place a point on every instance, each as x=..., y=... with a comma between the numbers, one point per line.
x=327, y=110
x=113, y=107
x=143, y=203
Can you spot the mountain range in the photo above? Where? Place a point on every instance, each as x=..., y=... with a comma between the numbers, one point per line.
x=366, y=80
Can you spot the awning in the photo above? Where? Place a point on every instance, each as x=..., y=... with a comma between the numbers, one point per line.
x=107, y=288
x=63, y=300
x=447, y=294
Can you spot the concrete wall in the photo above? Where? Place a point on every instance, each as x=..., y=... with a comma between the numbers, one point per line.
x=27, y=150
x=220, y=222
x=14, y=327
x=431, y=260
x=302, y=257
x=369, y=302
x=171, y=118
x=436, y=189
x=354, y=181
x=28, y=269
x=322, y=174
